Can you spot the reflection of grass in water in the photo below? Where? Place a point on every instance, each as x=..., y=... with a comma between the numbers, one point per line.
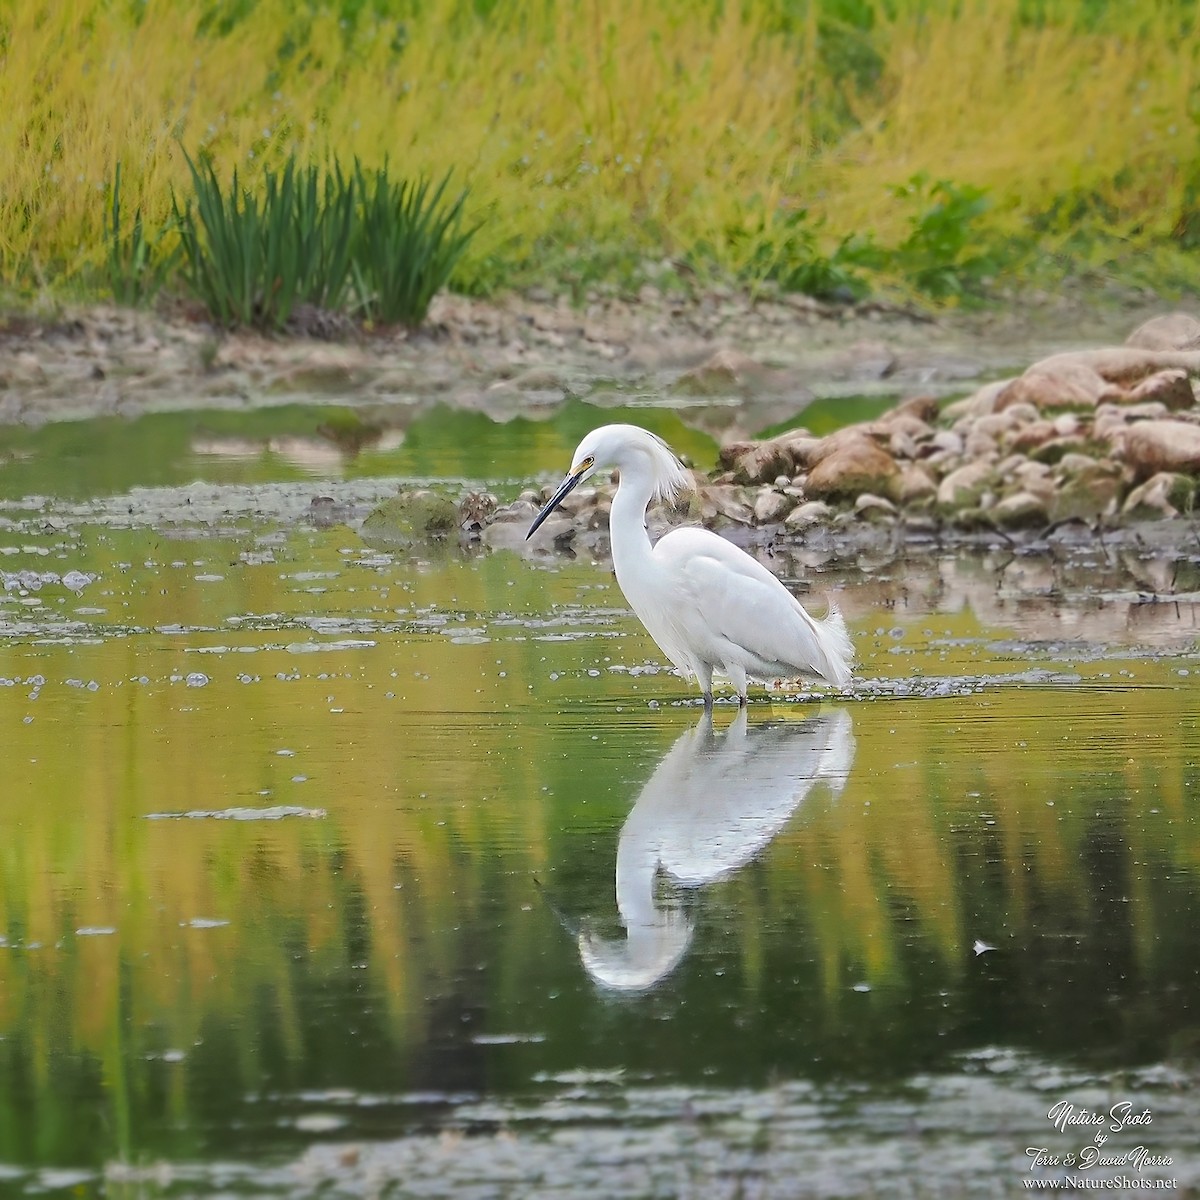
x=451, y=443
x=459, y=790
x=108, y=455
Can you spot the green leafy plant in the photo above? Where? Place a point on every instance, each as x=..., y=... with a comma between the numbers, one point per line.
x=361, y=241
x=252, y=259
x=944, y=254
x=136, y=265
x=407, y=243
x=783, y=248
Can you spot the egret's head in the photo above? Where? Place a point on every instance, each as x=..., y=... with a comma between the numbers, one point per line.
x=646, y=954
x=633, y=451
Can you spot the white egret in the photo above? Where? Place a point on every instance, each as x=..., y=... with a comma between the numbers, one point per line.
x=707, y=604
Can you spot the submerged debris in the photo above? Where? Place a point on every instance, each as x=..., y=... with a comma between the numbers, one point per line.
x=276, y=812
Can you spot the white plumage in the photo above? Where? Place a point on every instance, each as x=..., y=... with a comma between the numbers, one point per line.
x=708, y=605
x=712, y=804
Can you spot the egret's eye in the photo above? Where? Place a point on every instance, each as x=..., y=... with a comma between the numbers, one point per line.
x=587, y=464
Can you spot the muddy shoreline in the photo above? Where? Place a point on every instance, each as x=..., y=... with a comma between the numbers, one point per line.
x=522, y=353
x=731, y=366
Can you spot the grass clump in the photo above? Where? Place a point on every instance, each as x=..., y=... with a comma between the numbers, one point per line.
x=408, y=240
x=136, y=266
x=362, y=242
x=252, y=259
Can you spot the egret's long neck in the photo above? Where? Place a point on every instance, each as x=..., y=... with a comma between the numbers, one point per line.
x=637, y=865
x=627, y=527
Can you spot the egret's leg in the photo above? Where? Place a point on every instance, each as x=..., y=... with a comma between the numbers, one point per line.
x=704, y=677
x=737, y=676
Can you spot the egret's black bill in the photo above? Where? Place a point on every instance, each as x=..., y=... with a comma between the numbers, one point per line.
x=554, y=501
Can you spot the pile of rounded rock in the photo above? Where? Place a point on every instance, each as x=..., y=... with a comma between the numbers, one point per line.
x=1108, y=437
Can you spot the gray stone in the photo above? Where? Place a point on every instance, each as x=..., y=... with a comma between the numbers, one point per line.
x=857, y=465
x=1020, y=510
x=1153, y=446
x=771, y=506
x=811, y=512
x=1172, y=331
x=963, y=487
x=874, y=508
x=1161, y=497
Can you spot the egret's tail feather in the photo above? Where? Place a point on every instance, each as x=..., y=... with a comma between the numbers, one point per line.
x=836, y=649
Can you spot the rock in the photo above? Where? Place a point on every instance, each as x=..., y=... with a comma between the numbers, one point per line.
x=1153, y=446
x=901, y=424
x=1068, y=384
x=1111, y=421
x=947, y=440
x=1173, y=331
x=771, y=506
x=923, y=408
x=729, y=502
x=1021, y=414
x=915, y=486
x=26, y=368
x=855, y=465
x=980, y=445
x=874, y=508
x=811, y=512
x=1151, y=410
x=539, y=379
x=900, y=445
x=730, y=452
x=1120, y=365
x=1036, y=478
x=810, y=452
x=1020, y=510
x=412, y=516
x=965, y=486
x=1161, y=497
x=598, y=518
x=1030, y=437
x=802, y=446
x=995, y=425
x=759, y=462
x=979, y=403
x=475, y=510
x=1053, y=450
x=1172, y=389
x=1087, y=492
x=1074, y=463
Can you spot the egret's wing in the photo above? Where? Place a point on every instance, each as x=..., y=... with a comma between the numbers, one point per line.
x=738, y=600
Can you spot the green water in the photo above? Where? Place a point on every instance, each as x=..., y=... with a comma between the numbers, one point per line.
x=81, y=459
x=325, y=871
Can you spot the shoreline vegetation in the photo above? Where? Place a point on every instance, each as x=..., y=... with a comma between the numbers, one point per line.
x=841, y=149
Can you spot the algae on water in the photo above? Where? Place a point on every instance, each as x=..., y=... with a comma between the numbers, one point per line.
x=413, y=515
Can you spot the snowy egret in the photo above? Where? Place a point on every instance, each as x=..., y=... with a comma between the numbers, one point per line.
x=707, y=604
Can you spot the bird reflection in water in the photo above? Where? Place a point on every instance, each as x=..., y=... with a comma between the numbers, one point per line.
x=714, y=802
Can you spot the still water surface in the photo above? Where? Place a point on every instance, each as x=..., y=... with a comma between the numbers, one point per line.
x=326, y=870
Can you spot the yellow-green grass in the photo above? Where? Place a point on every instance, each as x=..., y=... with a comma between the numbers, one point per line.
x=594, y=131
